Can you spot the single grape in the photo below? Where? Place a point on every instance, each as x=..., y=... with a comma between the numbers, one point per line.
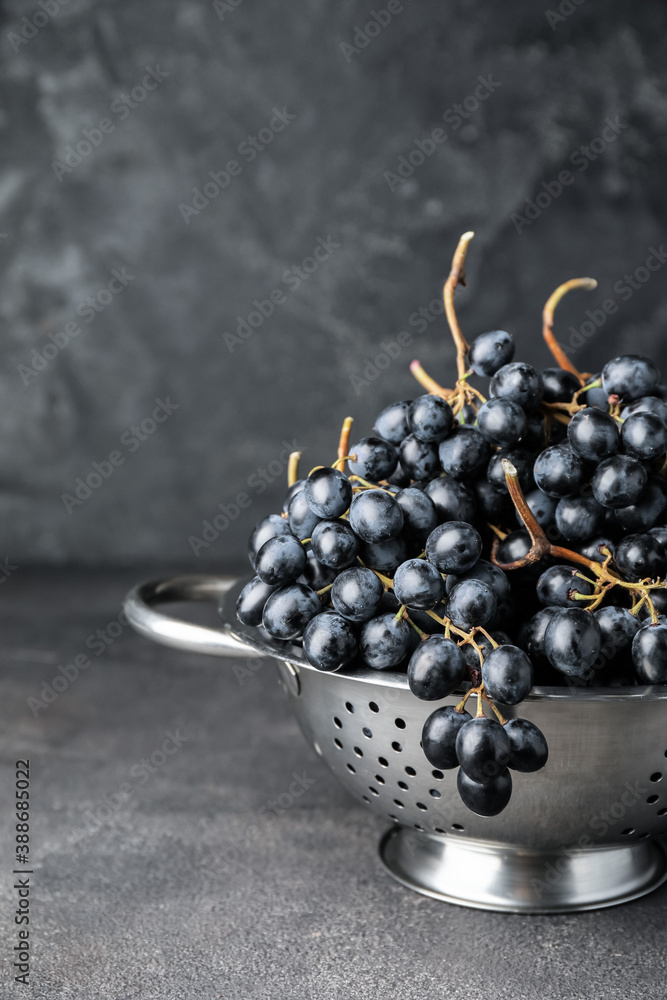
x=483, y=749
x=464, y=453
x=375, y=516
x=514, y=546
x=595, y=396
x=439, y=736
x=385, y=557
x=316, y=575
x=418, y=584
x=572, y=642
x=522, y=461
x=560, y=584
x=533, y=634
x=629, y=377
x=385, y=641
x=357, y=593
x=643, y=514
x=593, y=435
x=419, y=514
x=328, y=492
x=502, y=422
x=470, y=603
x=334, y=544
x=268, y=527
x=592, y=549
x=644, y=436
x=281, y=560
x=519, y=382
x=649, y=653
x=619, y=481
x=528, y=747
x=639, y=557
x=453, y=501
x=559, y=472
x=436, y=668
x=329, y=642
x=494, y=505
x=431, y=418
x=490, y=351
x=617, y=629
x=288, y=611
x=542, y=506
x=418, y=458
x=301, y=517
x=507, y=674
x=560, y=385
x=375, y=459
x=536, y=434
x=392, y=424
x=251, y=601
x=660, y=532
x=454, y=547
x=577, y=518
x=485, y=798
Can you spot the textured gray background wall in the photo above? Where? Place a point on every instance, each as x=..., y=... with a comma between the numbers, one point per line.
x=84, y=361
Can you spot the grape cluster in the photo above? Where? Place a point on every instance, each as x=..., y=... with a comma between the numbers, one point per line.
x=482, y=543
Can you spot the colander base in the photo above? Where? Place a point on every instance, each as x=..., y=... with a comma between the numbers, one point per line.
x=514, y=880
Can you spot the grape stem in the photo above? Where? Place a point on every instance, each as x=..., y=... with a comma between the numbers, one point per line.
x=457, y=277
x=548, y=322
x=293, y=468
x=343, y=444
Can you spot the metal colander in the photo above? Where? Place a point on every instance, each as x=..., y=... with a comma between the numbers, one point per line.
x=582, y=833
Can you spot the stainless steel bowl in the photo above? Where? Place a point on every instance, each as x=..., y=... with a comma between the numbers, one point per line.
x=585, y=832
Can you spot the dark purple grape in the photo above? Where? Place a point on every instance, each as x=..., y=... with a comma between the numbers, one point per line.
x=357, y=593
x=316, y=575
x=644, y=436
x=558, y=583
x=649, y=653
x=392, y=424
x=560, y=385
x=522, y=461
x=490, y=351
x=593, y=435
x=464, y=453
x=559, y=472
x=375, y=516
x=577, y=518
x=439, y=736
x=329, y=642
x=646, y=404
x=419, y=514
x=418, y=584
x=542, y=506
x=528, y=747
x=533, y=632
x=334, y=544
x=483, y=749
x=617, y=630
x=385, y=641
x=251, y=601
x=375, y=459
x=514, y=546
x=418, y=458
x=572, y=642
x=385, y=557
x=619, y=482
x=288, y=611
x=453, y=501
x=629, y=377
x=431, y=418
x=268, y=527
x=493, y=505
x=507, y=674
x=639, y=557
x=502, y=422
x=328, y=492
x=520, y=382
x=592, y=549
x=488, y=798
x=649, y=508
x=281, y=560
x=300, y=516
x=454, y=547
x=436, y=668
x=470, y=603
x=536, y=434
x=660, y=532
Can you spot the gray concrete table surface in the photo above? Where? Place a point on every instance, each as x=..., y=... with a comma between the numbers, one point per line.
x=161, y=871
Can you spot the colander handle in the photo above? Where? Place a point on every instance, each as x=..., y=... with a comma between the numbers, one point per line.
x=140, y=608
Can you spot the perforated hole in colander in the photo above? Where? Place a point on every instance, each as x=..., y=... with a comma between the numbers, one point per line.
x=420, y=805
x=367, y=733
x=379, y=779
x=628, y=831
x=437, y=774
x=349, y=706
x=410, y=770
x=403, y=784
x=358, y=752
x=656, y=776
x=662, y=812
x=338, y=744
x=652, y=798
x=383, y=761
x=373, y=707
x=435, y=793
x=400, y=723
x=397, y=747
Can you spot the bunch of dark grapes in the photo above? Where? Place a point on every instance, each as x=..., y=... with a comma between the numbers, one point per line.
x=483, y=542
